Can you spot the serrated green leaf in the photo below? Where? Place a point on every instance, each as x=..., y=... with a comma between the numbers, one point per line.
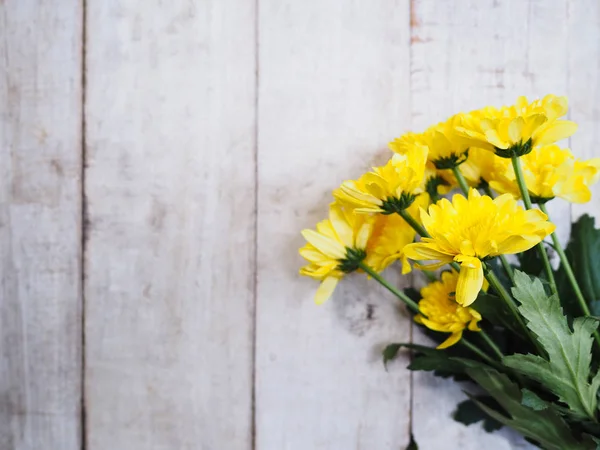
x=566, y=372
x=545, y=427
x=467, y=413
x=532, y=400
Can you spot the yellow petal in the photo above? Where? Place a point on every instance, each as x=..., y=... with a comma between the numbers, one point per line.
x=326, y=289
x=325, y=244
x=555, y=131
x=362, y=237
x=517, y=244
x=340, y=225
x=453, y=339
x=470, y=281
x=405, y=265
x=428, y=251
x=515, y=129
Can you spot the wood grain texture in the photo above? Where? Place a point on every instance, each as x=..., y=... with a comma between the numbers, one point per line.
x=40, y=225
x=584, y=88
x=465, y=55
x=171, y=206
x=333, y=91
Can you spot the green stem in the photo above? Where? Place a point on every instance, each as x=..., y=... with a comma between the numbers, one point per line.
x=505, y=264
x=527, y=201
x=505, y=296
x=401, y=295
x=413, y=223
x=464, y=186
x=480, y=353
x=570, y=275
x=486, y=337
x=507, y=268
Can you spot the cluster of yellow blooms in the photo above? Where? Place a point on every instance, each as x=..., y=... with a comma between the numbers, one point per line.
x=376, y=219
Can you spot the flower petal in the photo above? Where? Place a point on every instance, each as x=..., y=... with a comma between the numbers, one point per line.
x=325, y=244
x=470, y=281
x=453, y=339
x=428, y=251
x=555, y=131
x=326, y=289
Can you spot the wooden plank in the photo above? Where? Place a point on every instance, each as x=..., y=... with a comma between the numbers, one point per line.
x=584, y=88
x=170, y=258
x=333, y=91
x=40, y=225
x=465, y=55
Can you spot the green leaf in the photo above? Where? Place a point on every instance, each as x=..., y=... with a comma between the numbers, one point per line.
x=532, y=400
x=545, y=427
x=441, y=362
x=390, y=352
x=566, y=372
x=583, y=252
x=530, y=262
x=412, y=445
x=467, y=413
x=492, y=308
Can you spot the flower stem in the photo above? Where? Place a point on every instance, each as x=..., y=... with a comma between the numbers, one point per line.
x=505, y=296
x=480, y=353
x=486, y=337
x=527, y=201
x=507, y=268
x=413, y=223
x=401, y=295
x=461, y=180
x=570, y=275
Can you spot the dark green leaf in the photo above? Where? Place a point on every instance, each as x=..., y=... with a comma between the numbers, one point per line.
x=441, y=362
x=412, y=445
x=532, y=400
x=467, y=412
x=530, y=262
x=545, y=427
x=390, y=352
x=492, y=308
x=566, y=372
x=583, y=252
x=595, y=308
x=413, y=294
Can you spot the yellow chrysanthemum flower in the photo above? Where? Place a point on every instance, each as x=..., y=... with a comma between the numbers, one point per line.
x=447, y=148
x=469, y=230
x=551, y=171
x=387, y=189
x=335, y=248
x=390, y=235
x=441, y=312
x=483, y=166
x=515, y=130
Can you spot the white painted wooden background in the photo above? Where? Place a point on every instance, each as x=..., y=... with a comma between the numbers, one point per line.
x=157, y=162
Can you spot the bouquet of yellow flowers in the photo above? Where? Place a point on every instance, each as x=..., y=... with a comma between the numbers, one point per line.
x=522, y=330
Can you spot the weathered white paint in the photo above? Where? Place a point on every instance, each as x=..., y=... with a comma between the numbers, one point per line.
x=333, y=90
x=40, y=225
x=584, y=88
x=170, y=192
x=176, y=129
